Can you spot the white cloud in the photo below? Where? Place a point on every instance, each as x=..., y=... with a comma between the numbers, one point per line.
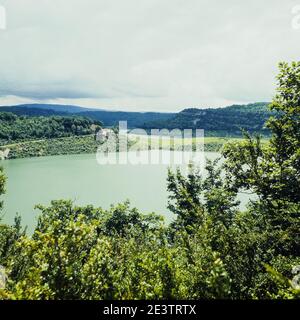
x=159, y=55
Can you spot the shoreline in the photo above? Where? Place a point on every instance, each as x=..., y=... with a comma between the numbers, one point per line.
x=89, y=145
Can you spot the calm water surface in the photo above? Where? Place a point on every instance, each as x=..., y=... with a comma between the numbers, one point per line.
x=81, y=179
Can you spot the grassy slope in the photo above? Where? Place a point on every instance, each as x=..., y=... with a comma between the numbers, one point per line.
x=211, y=144
x=59, y=146
x=87, y=144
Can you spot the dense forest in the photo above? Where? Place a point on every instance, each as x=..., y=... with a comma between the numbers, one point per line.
x=211, y=250
x=221, y=121
x=15, y=128
x=108, y=118
x=218, y=122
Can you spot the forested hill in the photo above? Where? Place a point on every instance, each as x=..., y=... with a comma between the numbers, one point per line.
x=226, y=121
x=14, y=128
x=36, y=108
x=108, y=118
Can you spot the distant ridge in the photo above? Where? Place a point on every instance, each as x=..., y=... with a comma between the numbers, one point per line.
x=107, y=117
x=226, y=121
x=53, y=107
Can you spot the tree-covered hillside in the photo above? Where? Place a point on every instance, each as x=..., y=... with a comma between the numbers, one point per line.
x=134, y=119
x=108, y=118
x=20, y=128
x=221, y=121
x=226, y=121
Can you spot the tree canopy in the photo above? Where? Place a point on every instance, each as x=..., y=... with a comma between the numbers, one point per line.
x=15, y=128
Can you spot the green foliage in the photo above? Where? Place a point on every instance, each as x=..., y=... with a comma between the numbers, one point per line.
x=219, y=122
x=108, y=118
x=193, y=196
x=9, y=235
x=50, y=147
x=268, y=232
x=226, y=121
x=20, y=128
x=88, y=253
x=272, y=172
x=2, y=185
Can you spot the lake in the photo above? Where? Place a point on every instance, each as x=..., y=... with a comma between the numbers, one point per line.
x=80, y=178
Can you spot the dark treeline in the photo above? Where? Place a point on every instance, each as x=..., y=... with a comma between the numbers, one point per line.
x=108, y=118
x=211, y=250
x=220, y=122
x=14, y=128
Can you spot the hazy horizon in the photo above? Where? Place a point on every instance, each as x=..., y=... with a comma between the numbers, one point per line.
x=95, y=108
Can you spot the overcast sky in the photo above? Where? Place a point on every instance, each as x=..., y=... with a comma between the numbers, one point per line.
x=161, y=55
